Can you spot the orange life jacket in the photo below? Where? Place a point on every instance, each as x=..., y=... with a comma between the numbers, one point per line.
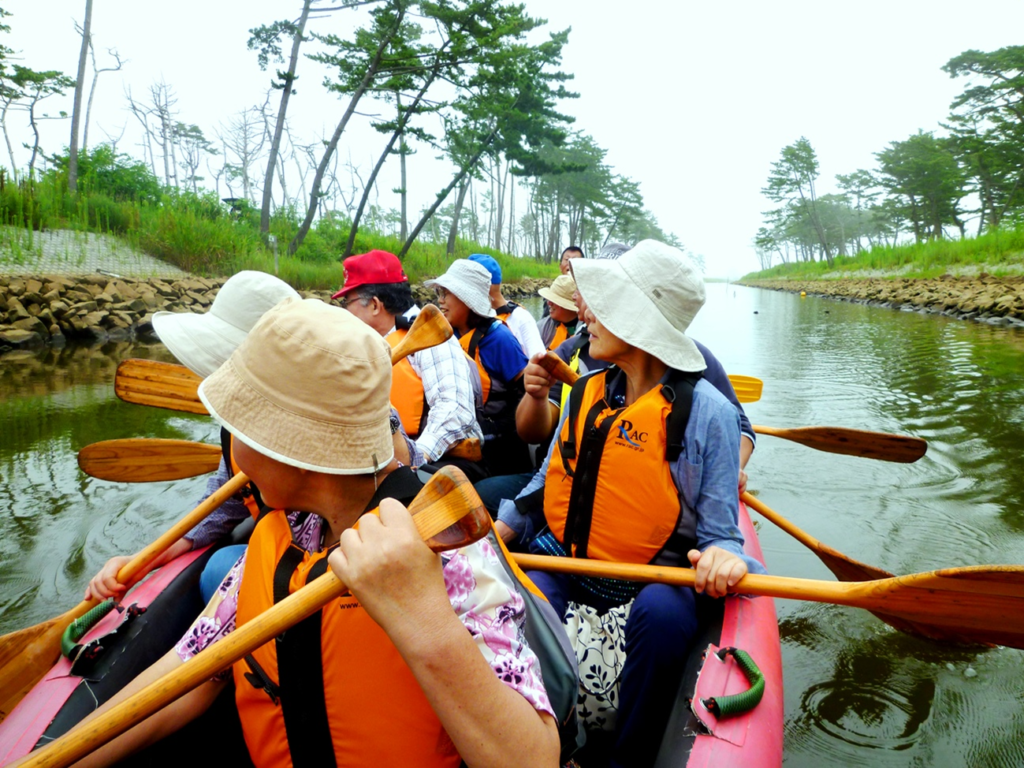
x=609, y=492
x=470, y=343
x=407, y=393
x=561, y=334
x=333, y=689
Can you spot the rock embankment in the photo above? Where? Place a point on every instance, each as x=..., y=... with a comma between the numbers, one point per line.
x=51, y=309
x=989, y=299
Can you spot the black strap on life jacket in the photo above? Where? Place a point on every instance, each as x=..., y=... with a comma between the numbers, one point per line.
x=249, y=489
x=507, y=309
x=478, y=333
x=403, y=323
x=677, y=389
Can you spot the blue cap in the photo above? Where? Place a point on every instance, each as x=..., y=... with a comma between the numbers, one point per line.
x=488, y=263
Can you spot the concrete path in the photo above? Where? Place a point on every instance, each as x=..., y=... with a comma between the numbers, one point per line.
x=66, y=252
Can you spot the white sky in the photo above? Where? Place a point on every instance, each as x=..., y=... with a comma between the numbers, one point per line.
x=693, y=100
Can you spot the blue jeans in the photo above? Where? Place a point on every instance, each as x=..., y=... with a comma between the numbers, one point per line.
x=493, y=489
x=661, y=628
x=217, y=568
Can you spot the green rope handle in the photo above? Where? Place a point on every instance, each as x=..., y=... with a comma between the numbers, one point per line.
x=77, y=628
x=737, y=703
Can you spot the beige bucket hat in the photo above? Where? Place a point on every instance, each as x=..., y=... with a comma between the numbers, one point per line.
x=471, y=283
x=560, y=292
x=648, y=298
x=202, y=342
x=308, y=387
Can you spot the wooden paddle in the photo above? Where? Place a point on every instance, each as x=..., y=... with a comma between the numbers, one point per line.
x=448, y=514
x=173, y=386
x=747, y=388
x=975, y=604
x=853, y=442
x=145, y=459
x=845, y=568
x=150, y=459
x=28, y=654
x=849, y=442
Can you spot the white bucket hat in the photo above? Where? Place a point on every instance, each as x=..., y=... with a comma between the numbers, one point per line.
x=647, y=298
x=202, y=342
x=309, y=387
x=471, y=284
x=561, y=292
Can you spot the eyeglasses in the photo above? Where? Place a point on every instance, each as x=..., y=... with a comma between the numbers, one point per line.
x=345, y=301
x=441, y=293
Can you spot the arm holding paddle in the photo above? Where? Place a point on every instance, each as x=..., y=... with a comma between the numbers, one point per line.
x=398, y=581
x=221, y=521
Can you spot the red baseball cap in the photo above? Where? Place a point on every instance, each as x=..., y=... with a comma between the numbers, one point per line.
x=371, y=269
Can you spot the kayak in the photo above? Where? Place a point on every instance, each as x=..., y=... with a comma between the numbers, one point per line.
x=168, y=601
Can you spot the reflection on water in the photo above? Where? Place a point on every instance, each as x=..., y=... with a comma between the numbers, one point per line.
x=857, y=692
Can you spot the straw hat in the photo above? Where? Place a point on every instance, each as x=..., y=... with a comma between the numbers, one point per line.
x=561, y=292
x=308, y=387
x=471, y=283
x=202, y=342
x=647, y=298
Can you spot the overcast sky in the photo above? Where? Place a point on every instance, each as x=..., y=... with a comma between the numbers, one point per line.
x=693, y=100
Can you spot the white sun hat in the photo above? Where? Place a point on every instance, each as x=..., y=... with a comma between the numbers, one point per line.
x=648, y=298
x=471, y=284
x=202, y=342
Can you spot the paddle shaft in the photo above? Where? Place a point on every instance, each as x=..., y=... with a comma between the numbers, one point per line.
x=978, y=604
x=438, y=516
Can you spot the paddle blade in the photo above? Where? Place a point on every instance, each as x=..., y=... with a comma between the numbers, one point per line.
x=448, y=512
x=747, y=388
x=853, y=442
x=558, y=369
x=28, y=654
x=468, y=449
x=142, y=460
x=163, y=385
x=429, y=329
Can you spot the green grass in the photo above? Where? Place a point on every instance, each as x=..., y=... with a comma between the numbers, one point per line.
x=999, y=251
x=198, y=233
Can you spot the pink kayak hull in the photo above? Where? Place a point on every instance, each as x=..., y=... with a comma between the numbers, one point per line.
x=23, y=727
x=753, y=739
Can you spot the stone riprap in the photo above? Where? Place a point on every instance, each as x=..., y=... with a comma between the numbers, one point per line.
x=50, y=309
x=985, y=298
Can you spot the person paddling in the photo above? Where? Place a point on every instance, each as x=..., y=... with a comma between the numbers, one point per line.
x=561, y=319
x=463, y=296
x=518, y=319
x=203, y=342
x=431, y=389
x=644, y=470
x=415, y=666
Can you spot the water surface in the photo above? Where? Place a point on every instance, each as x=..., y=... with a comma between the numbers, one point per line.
x=857, y=692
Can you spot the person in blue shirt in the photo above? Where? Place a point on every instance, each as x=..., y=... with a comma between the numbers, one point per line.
x=463, y=295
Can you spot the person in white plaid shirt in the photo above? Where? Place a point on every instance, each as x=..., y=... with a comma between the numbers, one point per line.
x=435, y=395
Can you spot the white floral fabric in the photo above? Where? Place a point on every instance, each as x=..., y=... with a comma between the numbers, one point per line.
x=482, y=594
x=599, y=640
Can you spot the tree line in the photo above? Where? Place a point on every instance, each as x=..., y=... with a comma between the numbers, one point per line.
x=928, y=185
x=466, y=79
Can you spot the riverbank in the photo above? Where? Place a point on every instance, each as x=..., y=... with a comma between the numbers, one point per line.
x=36, y=310
x=984, y=298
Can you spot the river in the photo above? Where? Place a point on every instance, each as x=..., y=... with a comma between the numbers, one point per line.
x=858, y=693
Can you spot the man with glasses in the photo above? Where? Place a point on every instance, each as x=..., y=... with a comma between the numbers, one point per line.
x=432, y=390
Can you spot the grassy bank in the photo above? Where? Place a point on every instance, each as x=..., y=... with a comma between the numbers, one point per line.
x=999, y=252
x=200, y=234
